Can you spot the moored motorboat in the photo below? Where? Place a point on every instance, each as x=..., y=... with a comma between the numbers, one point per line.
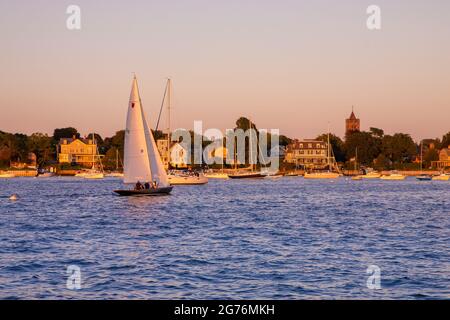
x=441, y=177
x=94, y=176
x=216, y=175
x=393, y=176
x=46, y=175
x=371, y=175
x=424, y=177
x=7, y=175
x=322, y=175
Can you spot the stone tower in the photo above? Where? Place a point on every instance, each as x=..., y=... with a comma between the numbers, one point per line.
x=352, y=124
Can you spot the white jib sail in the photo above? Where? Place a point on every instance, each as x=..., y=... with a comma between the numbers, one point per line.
x=142, y=161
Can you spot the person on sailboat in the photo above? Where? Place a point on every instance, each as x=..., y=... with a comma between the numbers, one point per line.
x=138, y=186
x=147, y=186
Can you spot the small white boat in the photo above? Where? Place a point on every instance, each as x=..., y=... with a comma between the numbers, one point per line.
x=81, y=174
x=7, y=176
x=46, y=175
x=393, y=176
x=322, y=175
x=441, y=177
x=371, y=175
x=114, y=175
x=94, y=176
x=187, y=178
x=216, y=175
x=274, y=176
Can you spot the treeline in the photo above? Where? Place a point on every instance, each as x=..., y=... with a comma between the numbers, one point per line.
x=375, y=149
x=17, y=147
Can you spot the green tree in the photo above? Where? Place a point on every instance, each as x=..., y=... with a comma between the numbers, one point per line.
x=429, y=156
x=41, y=145
x=445, y=142
x=337, y=146
x=379, y=133
x=368, y=146
x=399, y=148
x=68, y=132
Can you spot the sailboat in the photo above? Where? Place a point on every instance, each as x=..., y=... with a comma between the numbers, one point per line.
x=142, y=162
x=358, y=176
x=246, y=174
x=177, y=177
x=327, y=174
x=116, y=173
x=422, y=176
x=94, y=173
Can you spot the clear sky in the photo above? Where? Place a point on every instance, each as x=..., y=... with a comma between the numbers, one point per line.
x=288, y=64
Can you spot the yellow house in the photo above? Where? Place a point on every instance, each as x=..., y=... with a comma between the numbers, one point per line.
x=444, y=159
x=178, y=154
x=77, y=151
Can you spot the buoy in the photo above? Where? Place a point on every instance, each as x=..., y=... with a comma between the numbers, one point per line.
x=14, y=197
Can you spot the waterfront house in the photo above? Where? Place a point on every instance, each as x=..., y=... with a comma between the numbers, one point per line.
x=307, y=153
x=77, y=151
x=444, y=159
x=178, y=154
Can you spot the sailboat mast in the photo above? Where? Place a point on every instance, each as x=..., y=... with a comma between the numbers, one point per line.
x=250, y=145
x=93, y=154
x=328, y=150
x=169, y=93
x=421, y=156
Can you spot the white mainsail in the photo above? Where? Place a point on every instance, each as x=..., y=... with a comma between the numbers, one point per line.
x=142, y=161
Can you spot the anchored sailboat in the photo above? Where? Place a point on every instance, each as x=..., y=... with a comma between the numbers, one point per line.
x=142, y=162
x=246, y=174
x=422, y=176
x=327, y=174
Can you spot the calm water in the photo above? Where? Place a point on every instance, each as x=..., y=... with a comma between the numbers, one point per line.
x=284, y=239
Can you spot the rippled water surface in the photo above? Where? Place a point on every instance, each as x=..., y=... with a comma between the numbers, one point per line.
x=254, y=239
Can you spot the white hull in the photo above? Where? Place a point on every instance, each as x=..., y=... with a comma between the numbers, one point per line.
x=114, y=175
x=46, y=175
x=187, y=179
x=442, y=177
x=371, y=175
x=7, y=176
x=274, y=176
x=322, y=175
x=216, y=175
x=393, y=177
x=94, y=176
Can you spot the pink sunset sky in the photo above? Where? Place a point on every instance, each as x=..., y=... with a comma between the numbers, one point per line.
x=293, y=65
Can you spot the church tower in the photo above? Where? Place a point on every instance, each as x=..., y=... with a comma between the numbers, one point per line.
x=352, y=124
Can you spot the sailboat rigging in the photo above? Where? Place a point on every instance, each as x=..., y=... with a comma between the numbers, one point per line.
x=142, y=163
